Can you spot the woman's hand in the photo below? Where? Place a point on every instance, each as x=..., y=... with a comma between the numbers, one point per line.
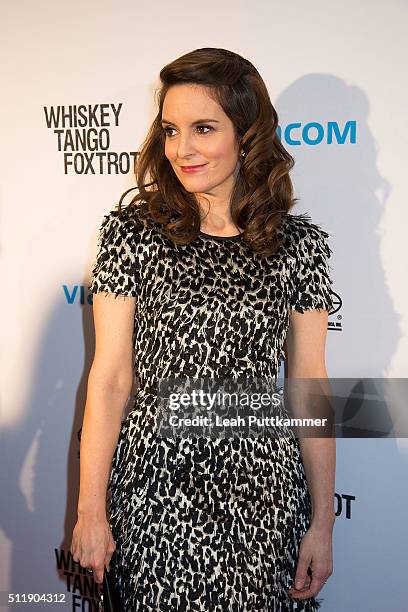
x=316, y=552
x=92, y=544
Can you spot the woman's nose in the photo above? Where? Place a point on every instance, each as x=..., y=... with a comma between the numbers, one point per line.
x=184, y=146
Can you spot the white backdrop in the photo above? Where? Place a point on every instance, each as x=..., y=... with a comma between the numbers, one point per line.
x=336, y=81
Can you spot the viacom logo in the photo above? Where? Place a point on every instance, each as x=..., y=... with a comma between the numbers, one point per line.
x=315, y=133
x=83, y=136
x=78, y=294
x=80, y=584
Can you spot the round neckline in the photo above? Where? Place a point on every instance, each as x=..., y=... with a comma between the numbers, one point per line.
x=215, y=237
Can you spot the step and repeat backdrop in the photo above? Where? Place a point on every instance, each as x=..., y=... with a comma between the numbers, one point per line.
x=78, y=98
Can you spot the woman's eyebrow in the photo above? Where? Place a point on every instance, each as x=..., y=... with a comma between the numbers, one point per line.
x=194, y=122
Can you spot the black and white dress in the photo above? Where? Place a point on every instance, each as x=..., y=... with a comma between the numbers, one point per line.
x=202, y=524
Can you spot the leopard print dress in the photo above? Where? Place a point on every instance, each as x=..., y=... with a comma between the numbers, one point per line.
x=204, y=524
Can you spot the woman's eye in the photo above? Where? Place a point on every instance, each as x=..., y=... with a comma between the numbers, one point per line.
x=205, y=127
x=199, y=127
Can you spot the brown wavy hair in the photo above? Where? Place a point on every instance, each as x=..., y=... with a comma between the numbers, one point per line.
x=263, y=191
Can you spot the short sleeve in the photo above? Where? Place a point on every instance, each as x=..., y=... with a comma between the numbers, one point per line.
x=115, y=269
x=312, y=287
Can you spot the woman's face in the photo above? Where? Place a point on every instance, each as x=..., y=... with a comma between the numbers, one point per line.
x=198, y=132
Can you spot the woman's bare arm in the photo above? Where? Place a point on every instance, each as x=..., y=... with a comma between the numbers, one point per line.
x=109, y=385
x=305, y=359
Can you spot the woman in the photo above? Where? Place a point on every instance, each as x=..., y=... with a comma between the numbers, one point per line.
x=215, y=279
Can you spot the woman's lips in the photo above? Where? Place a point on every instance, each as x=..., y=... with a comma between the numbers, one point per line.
x=192, y=168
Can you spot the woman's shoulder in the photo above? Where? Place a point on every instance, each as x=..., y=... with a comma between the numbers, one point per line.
x=123, y=223
x=124, y=217
x=302, y=224
x=300, y=232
